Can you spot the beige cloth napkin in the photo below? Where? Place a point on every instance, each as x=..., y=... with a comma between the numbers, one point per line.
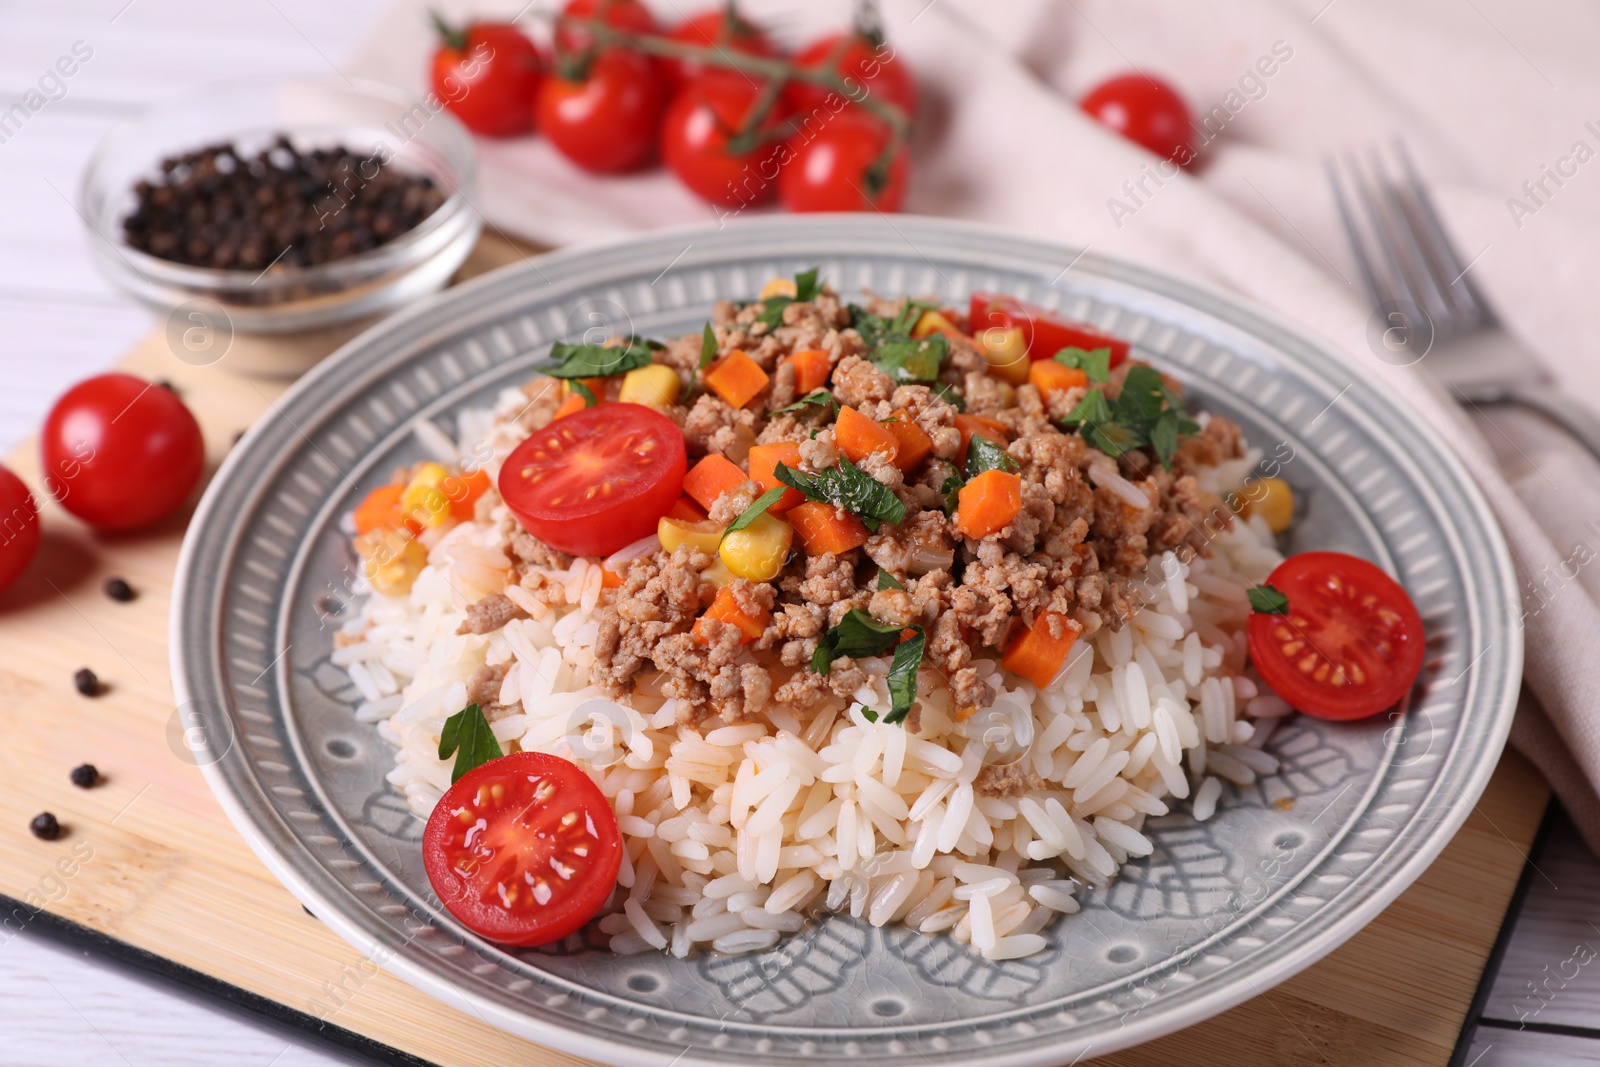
x=1489, y=96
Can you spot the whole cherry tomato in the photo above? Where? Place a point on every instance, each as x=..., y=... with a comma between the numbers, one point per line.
x=486, y=74
x=1147, y=111
x=864, y=63
x=702, y=119
x=841, y=167
x=19, y=527
x=605, y=120
x=621, y=14
x=120, y=452
x=721, y=27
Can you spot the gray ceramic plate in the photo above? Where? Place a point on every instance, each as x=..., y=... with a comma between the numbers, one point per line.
x=1287, y=870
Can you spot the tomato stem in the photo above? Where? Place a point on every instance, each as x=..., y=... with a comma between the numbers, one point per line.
x=453, y=39
x=778, y=70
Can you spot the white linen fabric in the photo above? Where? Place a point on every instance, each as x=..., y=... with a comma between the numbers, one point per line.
x=1499, y=103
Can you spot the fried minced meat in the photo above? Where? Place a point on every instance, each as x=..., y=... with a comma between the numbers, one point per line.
x=1074, y=549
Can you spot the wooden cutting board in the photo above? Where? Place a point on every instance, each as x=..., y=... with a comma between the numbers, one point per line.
x=149, y=860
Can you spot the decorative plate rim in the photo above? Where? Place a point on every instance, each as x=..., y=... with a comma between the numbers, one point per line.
x=474, y=300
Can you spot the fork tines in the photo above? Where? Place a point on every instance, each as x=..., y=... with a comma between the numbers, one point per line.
x=1399, y=245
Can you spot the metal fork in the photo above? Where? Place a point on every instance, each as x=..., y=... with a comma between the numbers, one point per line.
x=1428, y=305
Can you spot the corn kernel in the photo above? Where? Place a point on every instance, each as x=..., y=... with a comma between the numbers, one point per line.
x=1273, y=500
x=1006, y=352
x=392, y=560
x=704, y=536
x=933, y=322
x=423, y=500
x=654, y=386
x=718, y=575
x=779, y=287
x=758, y=551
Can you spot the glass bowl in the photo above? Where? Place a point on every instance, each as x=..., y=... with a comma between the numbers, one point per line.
x=376, y=122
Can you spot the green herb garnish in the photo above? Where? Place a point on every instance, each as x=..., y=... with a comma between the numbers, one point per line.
x=1146, y=412
x=649, y=342
x=984, y=455
x=849, y=487
x=887, y=581
x=906, y=360
x=594, y=361
x=578, y=386
x=858, y=634
x=805, y=285
x=467, y=736
x=951, y=488
x=1096, y=362
x=755, y=510
x=708, y=347
x=951, y=397
x=819, y=398
x=1267, y=600
x=903, y=676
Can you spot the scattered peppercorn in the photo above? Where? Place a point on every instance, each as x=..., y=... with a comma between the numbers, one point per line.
x=237, y=437
x=85, y=776
x=87, y=682
x=119, y=590
x=45, y=827
x=165, y=383
x=279, y=208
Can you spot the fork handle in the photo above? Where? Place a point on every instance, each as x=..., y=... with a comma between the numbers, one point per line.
x=1574, y=417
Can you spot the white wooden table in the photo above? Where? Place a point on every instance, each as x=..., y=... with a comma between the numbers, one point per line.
x=61, y=1006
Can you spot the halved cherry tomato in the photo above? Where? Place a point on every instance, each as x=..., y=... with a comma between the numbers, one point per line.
x=1145, y=110
x=523, y=849
x=486, y=73
x=720, y=27
x=19, y=527
x=871, y=65
x=707, y=114
x=605, y=120
x=837, y=167
x=120, y=452
x=597, y=480
x=620, y=14
x=1351, y=644
x=1046, y=332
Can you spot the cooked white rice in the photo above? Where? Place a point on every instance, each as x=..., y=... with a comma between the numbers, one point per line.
x=733, y=838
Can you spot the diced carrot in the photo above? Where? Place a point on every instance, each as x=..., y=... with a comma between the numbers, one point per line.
x=712, y=477
x=988, y=503
x=735, y=378
x=822, y=529
x=687, y=510
x=993, y=429
x=933, y=322
x=380, y=510
x=610, y=579
x=726, y=609
x=858, y=436
x=463, y=492
x=570, y=406
x=1036, y=654
x=597, y=386
x=811, y=370
x=764, y=460
x=1048, y=376
x=911, y=444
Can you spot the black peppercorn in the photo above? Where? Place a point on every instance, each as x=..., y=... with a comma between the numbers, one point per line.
x=87, y=682
x=85, y=776
x=119, y=590
x=45, y=827
x=279, y=208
